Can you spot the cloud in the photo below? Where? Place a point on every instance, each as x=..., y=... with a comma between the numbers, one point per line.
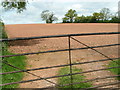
x=59, y=7
x=73, y=0
x=76, y=6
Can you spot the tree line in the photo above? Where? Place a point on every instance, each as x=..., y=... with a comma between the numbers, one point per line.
x=104, y=16
x=71, y=16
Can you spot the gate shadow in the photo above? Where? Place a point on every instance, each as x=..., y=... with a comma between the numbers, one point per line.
x=25, y=42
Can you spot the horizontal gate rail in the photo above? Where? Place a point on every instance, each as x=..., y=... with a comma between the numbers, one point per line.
x=59, y=76
x=91, y=80
x=107, y=84
x=50, y=51
x=59, y=66
x=54, y=36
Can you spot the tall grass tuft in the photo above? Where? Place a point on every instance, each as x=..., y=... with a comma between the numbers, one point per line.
x=116, y=71
x=76, y=78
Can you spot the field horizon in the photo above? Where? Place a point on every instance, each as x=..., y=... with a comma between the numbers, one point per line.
x=29, y=30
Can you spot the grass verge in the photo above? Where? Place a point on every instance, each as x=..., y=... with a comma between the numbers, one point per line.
x=115, y=70
x=18, y=61
x=76, y=78
x=15, y=61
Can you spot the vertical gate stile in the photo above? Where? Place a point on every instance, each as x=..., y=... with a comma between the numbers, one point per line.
x=70, y=61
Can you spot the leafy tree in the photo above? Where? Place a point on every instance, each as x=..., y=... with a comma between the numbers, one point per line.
x=105, y=14
x=20, y=5
x=97, y=16
x=82, y=19
x=1, y=28
x=48, y=16
x=115, y=18
x=70, y=15
x=77, y=19
x=65, y=20
x=89, y=19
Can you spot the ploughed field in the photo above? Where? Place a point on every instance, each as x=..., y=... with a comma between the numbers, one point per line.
x=59, y=58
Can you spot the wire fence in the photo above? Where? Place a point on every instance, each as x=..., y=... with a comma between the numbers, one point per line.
x=70, y=37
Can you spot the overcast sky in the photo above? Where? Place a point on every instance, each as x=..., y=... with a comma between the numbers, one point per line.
x=59, y=7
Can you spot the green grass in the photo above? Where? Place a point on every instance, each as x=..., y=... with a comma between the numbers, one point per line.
x=76, y=78
x=115, y=70
x=18, y=61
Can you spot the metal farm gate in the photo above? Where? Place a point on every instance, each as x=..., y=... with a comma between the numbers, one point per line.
x=69, y=36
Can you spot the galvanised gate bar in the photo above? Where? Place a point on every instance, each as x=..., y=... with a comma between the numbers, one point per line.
x=70, y=36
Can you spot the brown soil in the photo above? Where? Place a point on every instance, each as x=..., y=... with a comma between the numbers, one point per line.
x=59, y=58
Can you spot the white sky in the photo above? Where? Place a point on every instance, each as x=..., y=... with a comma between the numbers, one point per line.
x=59, y=7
